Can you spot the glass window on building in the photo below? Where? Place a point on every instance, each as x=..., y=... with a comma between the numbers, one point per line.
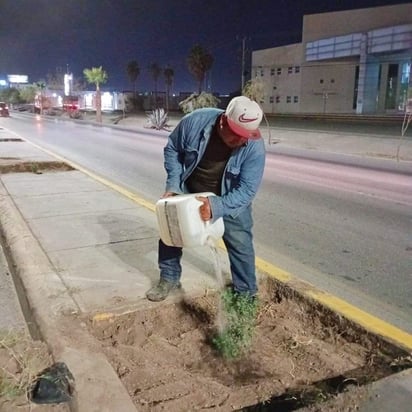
x=355, y=88
x=272, y=72
x=290, y=70
x=271, y=99
x=404, y=85
x=391, y=86
x=277, y=99
x=279, y=71
x=295, y=99
x=297, y=69
x=262, y=72
x=288, y=99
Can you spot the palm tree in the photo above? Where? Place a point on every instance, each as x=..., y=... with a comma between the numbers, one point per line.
x=155, y=70
x=41, y=85
x=97, y=76
x=169, y=74
x=199, y=62
x=133, y=71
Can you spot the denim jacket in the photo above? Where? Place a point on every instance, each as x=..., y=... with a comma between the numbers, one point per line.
x=243, y=172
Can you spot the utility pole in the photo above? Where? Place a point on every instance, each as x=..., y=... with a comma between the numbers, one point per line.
x=243, y=62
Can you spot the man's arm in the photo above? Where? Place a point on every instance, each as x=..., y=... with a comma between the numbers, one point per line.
x=247, y=184
x=172, y=162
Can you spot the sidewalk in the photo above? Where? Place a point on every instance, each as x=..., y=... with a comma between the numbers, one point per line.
x=79, y=247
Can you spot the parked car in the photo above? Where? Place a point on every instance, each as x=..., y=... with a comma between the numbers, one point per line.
x=4, y=110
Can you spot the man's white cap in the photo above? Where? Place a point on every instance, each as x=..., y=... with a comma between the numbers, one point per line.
x=244, y=117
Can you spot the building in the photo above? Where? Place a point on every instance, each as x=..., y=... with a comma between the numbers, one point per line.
x=349, y=62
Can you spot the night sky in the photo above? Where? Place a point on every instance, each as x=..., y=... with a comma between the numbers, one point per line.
x=38, y=36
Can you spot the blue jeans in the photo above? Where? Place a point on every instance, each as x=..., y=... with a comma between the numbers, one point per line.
x=238, y=240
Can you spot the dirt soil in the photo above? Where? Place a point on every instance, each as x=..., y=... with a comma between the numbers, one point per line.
x=16, y=165
x=301, y=356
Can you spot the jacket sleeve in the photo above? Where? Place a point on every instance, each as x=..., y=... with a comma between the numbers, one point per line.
x=173, y=160
x=242, y=188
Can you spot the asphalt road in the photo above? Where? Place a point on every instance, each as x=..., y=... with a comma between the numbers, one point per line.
x=343, y=227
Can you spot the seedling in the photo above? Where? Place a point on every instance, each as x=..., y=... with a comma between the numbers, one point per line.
x=239, y=314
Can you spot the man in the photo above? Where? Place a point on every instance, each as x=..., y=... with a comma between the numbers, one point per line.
x=217, y=151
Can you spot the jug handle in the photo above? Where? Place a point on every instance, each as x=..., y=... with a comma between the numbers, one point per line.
x=206, y=222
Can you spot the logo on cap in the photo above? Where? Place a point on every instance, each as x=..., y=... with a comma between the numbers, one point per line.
x=243, y=119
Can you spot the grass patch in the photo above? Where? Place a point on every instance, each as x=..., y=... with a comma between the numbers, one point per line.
x=238, y=316
x=20, y=361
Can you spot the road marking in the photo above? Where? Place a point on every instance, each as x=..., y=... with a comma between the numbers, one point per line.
x=357, y=315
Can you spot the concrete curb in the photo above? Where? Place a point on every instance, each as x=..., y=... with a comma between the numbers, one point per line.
x=53, y=312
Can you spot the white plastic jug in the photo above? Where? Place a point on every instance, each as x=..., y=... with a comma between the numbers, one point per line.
x=180, y=223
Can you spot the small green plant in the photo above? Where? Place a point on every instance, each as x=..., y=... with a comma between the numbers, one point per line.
x=239, y=314
x=35, y=168
x=157, y=119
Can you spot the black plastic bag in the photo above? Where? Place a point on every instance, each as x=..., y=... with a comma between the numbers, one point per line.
x=54, y=384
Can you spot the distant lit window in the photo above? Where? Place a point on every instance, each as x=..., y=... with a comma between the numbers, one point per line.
x=290, y=70
x=288, y=99
x=295, y=99
x=88, y=100
x=279, y=71
x=107, y=101
x=297, y=69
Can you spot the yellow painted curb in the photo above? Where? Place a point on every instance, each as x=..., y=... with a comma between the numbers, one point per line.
x=368, y=321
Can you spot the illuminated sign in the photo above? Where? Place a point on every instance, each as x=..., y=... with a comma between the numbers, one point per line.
x=18, y=78
x=68, y=81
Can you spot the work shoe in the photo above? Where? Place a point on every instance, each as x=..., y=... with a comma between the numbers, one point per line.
x=162, y=290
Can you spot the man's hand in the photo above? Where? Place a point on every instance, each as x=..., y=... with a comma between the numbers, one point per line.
x=168, y=194
x=204, y=210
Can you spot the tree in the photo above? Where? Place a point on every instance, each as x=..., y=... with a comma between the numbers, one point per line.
x=10, y=95
x=196, y=101
x=169, y=75
x=41, y=85
x=133, y=71
x=199, y=62
x=28, y=93
x=155, y=71
x=97, y=76
x=254, y=89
